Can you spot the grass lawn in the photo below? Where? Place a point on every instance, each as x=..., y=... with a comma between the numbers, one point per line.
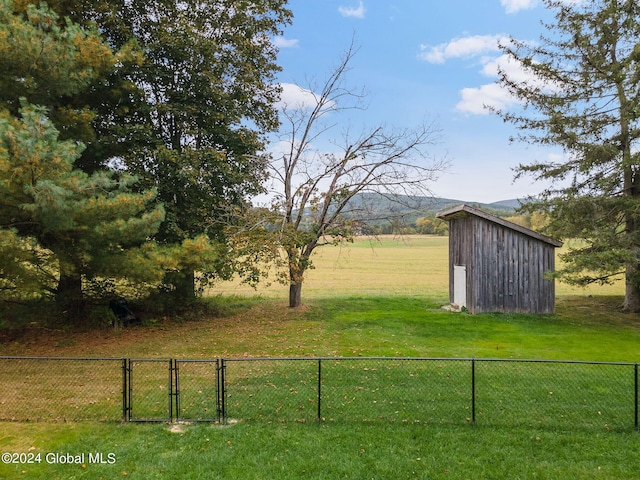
x=360, y=301
x=295, y=451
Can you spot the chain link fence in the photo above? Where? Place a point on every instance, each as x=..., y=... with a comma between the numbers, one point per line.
x=491, y=392
x=488, y=392
x=61, y=389
x=556, y=394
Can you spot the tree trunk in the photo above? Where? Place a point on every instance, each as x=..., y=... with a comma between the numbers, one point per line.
x=632, y=268
x=296, y=276
x=295, y=294
x=69, y=298
x=183, y=283
x=632, y=288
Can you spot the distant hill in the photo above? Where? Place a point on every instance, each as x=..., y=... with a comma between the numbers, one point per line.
x=383, y=211
x=384, y=205
x=509, y=205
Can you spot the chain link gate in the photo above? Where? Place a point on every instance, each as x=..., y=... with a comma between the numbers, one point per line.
x=197, y=391
x=150, y=389
x=172, y=390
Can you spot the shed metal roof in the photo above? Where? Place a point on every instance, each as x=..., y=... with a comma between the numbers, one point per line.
x=465, y=210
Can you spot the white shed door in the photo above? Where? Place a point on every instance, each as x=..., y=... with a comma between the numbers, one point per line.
x=460, y=285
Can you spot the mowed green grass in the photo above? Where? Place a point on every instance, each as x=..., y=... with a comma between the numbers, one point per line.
x=362, y=300
x=308, y=451
x=382, y=296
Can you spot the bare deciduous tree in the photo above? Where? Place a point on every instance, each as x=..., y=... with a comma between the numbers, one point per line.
x=321, y=196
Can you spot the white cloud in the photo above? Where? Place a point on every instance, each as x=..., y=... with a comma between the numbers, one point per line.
x=513, y=6
x=483, y=49
x=513, y=69
x=492, y=94
x=476, y=100
x=357, y=12
x=282, y=42
x=556, y=158
x=462, y=48
x=295, y=97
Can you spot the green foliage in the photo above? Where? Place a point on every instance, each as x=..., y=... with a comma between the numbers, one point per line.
x=53, y=62
x=44, y=59
x=432, y=225
x=101, y=316
x=17, y=255
x=205, y=90
x=57, y=218
x=177, y=94
x=583, y=97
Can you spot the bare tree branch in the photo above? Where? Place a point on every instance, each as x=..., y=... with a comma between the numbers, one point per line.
x=321, y=194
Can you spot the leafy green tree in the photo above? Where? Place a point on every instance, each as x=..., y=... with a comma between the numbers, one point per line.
x=60, y=222
x=59, y=225
x=65, y=66
x=203, y=100
x=431, y=225
x=43, y=61
x=581, y=92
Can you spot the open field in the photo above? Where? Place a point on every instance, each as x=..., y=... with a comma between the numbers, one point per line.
x=413, y=265
x=360, y=302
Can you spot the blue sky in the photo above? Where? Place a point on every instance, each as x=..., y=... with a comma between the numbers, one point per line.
x=425, y=58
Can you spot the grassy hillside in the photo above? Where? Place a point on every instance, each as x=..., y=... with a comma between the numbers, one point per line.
x=424, y=205
x=379, y=210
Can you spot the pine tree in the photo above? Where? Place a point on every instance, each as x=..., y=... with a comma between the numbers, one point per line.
x=60, y=226
x=582, y=94
x=65, y=223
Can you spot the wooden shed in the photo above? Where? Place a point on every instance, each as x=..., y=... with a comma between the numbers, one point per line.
x=496, y=265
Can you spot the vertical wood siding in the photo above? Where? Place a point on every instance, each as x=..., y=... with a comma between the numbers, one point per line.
x=505, y=268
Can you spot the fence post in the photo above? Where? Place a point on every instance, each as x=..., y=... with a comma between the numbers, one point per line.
x=218, y=409
x=223, y=393
x=635, y=383
x=473, y=391
x=129, y=388
x=319, y=390
x=170, y=388
x=176, y=389
x=126, y=394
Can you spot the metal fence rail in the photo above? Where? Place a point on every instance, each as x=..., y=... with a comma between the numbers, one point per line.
x=492, y=392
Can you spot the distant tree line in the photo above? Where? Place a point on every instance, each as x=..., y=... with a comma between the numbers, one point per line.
x=430, y=225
